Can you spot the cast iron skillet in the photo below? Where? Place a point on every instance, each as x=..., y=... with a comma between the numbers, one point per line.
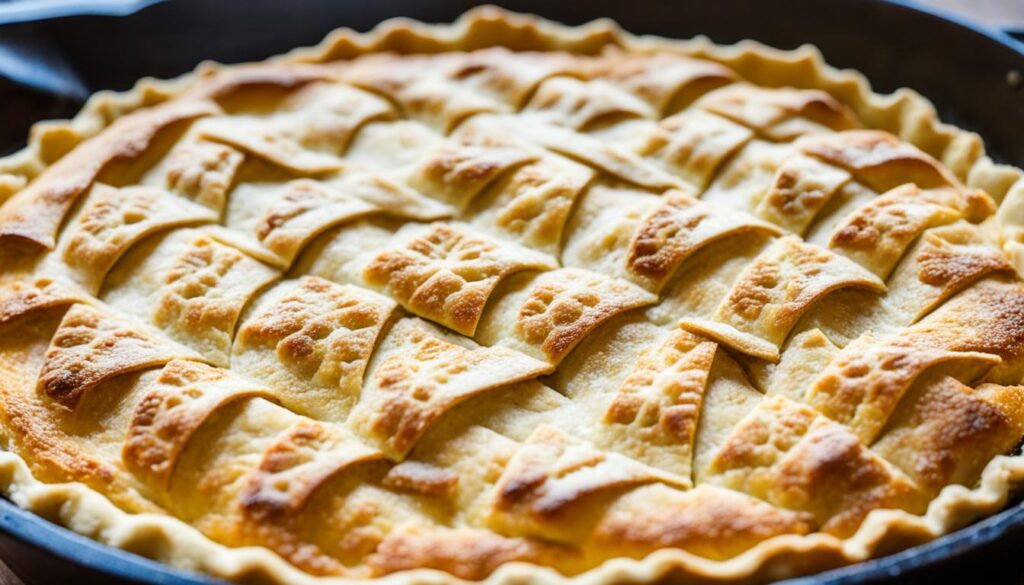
x=52, y=61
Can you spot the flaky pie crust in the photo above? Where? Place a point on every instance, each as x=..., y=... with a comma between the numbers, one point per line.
x=539, y=342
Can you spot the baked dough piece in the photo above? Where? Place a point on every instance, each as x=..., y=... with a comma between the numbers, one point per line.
x=20, y=297
x=783, y=452
x=544, y=490
x=532, y=204
x=37, y=213
x=772, y=292
x=191, y=286
x=419, y=376
x=173, y=408
x=926, y=436
x=312, y=340
x=515, y=301
x=447, y=274
x=546, y=314
x=199, y=169
x=661, y=400
x=110, y=222
x=90, y=346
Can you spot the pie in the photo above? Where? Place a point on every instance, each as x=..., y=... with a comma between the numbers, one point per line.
x=515, y=301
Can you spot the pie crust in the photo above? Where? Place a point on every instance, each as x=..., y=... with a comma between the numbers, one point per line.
x=507, y=300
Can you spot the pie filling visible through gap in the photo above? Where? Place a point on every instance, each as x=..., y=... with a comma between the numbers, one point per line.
x=486, y=311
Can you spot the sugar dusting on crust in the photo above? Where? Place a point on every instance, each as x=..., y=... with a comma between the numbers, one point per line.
x=564, y=306
x=90, y=347
x=447, y=274
x=173, y=408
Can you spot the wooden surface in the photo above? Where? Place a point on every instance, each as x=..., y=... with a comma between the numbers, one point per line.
x=1007, y=14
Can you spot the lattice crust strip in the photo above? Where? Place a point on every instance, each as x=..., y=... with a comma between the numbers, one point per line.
x=455, y=309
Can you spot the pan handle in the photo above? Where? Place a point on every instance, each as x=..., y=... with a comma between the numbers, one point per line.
x=35, y=10
x=29, y=60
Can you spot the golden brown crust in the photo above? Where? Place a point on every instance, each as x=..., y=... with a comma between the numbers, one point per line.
x=437, y=132
x=583, y=148
x=424, y=87
x=201, y=170
x=19, y=298
x=112, y=220
x=90, y=347
x=264, y=140
x=802, y=186
x=465, y=553
x=775, y=290
x=564, y=305
x=666, y=81
x=793, y=457
x=695, y=143
x=986, y=318
x=943, y=263
x=676, y=229
x=204, y=292
x=36, y=212
x=877, y=234
x=654, y=519
x=36, y=425
x=547, y=488
x=295, y=465
x=944, y=430
x=422, y=478
x=174, y=407
x=581, y=105
x=772, y=113
x=661, y=400
x=863, y=384
x=321, y=332
x=331, y=116
x=878, y=159
x=447, y=274
x=459, y=170
x=426, y=376
x=303, y=211
x=948, y=259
